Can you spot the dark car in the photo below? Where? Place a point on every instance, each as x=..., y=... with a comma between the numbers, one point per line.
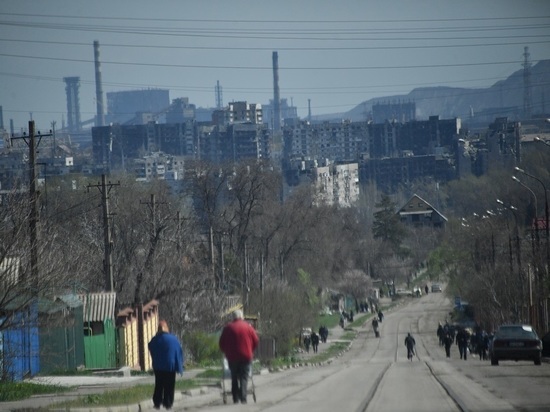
x=516, y=342
x=436, y=288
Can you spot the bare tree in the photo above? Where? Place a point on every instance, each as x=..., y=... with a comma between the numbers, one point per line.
x=357, y=284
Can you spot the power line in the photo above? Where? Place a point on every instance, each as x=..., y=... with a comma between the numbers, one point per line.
x=206, y=66
x=358, y=89
x=261, y=35
x=250, y=48
x=297, y=21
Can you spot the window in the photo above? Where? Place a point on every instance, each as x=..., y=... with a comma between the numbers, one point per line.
x=93, y=328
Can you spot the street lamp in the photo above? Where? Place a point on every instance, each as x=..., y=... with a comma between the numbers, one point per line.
x=514, y=209
x=547, y=229
x=538, y=139
x=515, y=179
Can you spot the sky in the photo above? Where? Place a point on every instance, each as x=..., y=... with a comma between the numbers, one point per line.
x=333, y=54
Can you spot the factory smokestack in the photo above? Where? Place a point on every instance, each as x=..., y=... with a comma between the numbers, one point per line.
x=72, y=84
x=276, y=99
x=100, y=120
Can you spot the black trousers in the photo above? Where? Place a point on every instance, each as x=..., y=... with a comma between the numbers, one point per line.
x=165, y=383
x=239, y=380
x=463, y=350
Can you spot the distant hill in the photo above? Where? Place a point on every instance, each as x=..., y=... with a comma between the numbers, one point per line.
x=504, y=98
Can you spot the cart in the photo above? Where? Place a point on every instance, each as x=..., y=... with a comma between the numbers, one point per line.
x=226, y=376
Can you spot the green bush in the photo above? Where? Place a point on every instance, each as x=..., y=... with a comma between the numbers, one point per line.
x=202, y=348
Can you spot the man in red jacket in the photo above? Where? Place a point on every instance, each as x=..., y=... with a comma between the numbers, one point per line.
x=238, y=342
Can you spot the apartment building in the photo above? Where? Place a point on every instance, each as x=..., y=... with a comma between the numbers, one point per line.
x=159, y=166
x=388, y=152
x=337, y=184
x=345, y=141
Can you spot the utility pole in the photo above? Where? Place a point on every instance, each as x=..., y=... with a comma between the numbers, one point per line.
x=31, y=142
x=153, y=240
x=105, y=189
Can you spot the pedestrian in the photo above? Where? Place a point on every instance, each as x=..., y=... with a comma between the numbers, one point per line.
x=440, y=334
x=410, y=344
x=307, y=342
x=167, y=355
x=380, y=316
x=426, y=289
x=324, y=333
x=375, y=327
x=462, y=338
x=448, y=342
x=238, y=342
x=314, y=342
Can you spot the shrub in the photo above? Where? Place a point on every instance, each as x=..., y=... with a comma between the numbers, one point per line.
x=202, y=348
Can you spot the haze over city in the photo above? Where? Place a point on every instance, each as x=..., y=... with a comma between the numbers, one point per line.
x=337, y=54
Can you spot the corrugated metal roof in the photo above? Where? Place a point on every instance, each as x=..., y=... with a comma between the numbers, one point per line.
x=98, y=307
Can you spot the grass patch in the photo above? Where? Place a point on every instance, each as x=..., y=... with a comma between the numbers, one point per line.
x=124, y=396
x=349, y=335
x=329, y=321
x=210, y=374
x=15, y=391
x=333, y=350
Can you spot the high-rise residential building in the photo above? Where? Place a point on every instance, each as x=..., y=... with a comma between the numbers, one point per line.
x=337, y=184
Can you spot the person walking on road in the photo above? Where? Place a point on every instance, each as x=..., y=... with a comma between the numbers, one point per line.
x=238, y=342
x=307, y=342
x=462, y=338
x=448, y=342
x=167, y=355
x=314, y=341
x=375, y=327
x=410, y=343
x=323, y=333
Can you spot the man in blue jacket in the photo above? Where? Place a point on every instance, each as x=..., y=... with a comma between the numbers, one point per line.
x=167, y=356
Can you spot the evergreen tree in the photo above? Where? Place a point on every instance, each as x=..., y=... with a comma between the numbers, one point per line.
x=387, y=226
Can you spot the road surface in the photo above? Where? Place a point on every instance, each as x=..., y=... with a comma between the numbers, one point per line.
x=375, y=375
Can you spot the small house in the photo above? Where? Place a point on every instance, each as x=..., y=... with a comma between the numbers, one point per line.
x=419, y=213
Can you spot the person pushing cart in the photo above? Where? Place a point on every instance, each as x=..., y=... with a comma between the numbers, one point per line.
x=238, y=342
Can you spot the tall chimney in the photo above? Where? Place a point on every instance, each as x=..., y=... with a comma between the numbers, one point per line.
x=276, y=100
x=100, y=120
x=72, y=84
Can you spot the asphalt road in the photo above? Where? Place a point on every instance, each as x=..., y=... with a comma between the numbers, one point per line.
x=375, y=375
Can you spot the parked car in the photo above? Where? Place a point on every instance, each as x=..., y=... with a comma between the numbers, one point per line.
x=404, y=292
x=436, y=287
x=516, y=342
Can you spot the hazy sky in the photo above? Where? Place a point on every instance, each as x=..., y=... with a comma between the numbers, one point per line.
x=337, y=53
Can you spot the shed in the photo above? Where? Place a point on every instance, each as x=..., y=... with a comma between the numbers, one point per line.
x=99, y=330
x=61, y=338
x=19, y=344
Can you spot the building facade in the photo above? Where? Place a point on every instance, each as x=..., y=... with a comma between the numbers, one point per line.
x=337, y=184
